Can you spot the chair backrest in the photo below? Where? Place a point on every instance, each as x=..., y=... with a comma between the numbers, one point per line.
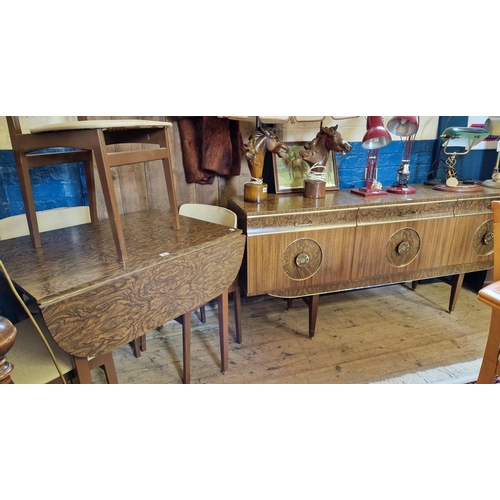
x=209, y=213
x=48, y=220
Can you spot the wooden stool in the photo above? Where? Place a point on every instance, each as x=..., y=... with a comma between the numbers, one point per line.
x=94, y=137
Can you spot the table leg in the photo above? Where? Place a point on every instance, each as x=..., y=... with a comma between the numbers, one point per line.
x=223, y=313
x=186, y=346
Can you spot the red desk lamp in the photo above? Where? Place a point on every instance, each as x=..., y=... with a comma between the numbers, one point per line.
x=405, y=127
x=376, y=137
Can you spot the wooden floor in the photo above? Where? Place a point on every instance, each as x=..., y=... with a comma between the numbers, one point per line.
x=361, y=336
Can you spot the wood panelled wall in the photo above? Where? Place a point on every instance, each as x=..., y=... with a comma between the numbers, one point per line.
x=142, y=186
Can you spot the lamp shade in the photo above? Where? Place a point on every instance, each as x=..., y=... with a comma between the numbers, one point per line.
x=403, y=126
x=492, y=125
x=376, y=136
x=465, y=137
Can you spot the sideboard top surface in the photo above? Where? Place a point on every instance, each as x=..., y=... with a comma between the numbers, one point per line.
x=344, y=199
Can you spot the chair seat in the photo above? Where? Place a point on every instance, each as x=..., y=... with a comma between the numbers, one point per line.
x=30, y=357
x=100, y=124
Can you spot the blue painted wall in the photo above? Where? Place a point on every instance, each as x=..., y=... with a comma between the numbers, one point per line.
x=352, y=166
x=64, y=185
x=476, y=165
x=53, y=187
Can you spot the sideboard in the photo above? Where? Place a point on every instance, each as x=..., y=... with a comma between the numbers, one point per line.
x=303, y=247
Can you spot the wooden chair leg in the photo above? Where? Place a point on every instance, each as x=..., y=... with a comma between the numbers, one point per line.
x=223, y=314
x=169, y=179
x=29, y=203
x=105, y=361
x=136, y=349
x=107, y=364
x=138, y=346
x=82, y=370
x=203, y=314
x=91, y=190
x=490, y=363
x=108, y=191
x=185, y=320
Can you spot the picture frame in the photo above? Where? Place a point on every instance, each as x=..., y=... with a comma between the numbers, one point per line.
x=290, y=170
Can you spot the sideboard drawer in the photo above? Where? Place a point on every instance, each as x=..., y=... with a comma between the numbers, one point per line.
x=474, y=206
x=405, y=212
x=301, y=221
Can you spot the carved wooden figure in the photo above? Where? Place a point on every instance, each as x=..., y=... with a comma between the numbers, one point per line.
x=261, y=141
x=316, y=153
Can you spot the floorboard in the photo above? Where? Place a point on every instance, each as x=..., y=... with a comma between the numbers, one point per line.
x=361, y=336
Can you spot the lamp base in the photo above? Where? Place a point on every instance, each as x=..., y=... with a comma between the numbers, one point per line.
x=255, y=193
x=368, y=192
x=314, y=188
x=491, y=183
x=402, y=190
x=460, y=188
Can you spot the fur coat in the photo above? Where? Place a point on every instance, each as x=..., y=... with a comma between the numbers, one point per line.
x=210, y=146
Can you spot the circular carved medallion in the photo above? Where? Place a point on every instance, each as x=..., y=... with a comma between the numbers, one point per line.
x=402, y=247
x=482, y=241
x=301, y=259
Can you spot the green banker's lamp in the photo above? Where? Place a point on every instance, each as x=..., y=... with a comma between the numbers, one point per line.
x=492, y=125
x=459, y=137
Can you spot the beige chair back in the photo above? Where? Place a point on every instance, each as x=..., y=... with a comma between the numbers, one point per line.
x=209, y=213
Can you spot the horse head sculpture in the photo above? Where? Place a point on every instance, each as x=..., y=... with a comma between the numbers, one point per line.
x=328, y=139
x=262, y=140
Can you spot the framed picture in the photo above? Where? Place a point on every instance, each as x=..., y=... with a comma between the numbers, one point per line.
x=290, y=171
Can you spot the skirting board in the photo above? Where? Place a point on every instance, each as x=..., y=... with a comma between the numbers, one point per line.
x=461, y=373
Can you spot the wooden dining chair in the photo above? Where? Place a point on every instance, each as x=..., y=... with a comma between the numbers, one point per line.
x=225, y=217
x=26, y=359
x=490, y=295
x=94, y=139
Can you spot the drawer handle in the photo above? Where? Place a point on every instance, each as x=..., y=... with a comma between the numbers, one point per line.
x=488, y=238
x=402, y=214
x=297, y=224
x=403, y=248
x=302, y=260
